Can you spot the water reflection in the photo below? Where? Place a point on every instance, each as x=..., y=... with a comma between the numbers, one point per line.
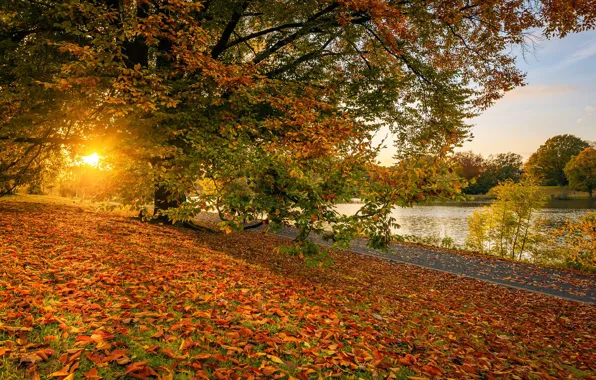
x=451, y=219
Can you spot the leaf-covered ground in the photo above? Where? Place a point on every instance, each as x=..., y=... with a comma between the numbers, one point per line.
x=562, y=282
x=92, y=295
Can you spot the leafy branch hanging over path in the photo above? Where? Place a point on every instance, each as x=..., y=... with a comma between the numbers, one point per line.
x=102, y=295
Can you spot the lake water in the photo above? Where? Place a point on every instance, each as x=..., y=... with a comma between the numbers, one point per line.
x=451, y=219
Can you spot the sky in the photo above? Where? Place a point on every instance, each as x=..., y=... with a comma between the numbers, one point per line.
x=559, y=98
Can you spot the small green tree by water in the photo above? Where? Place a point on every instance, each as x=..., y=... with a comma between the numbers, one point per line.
x=505, y=228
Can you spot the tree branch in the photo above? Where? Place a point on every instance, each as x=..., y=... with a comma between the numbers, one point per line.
x=306, y=29
x=45, y=140
x=465, y=43
x=229, y=29
x=401, y=57
x=306, y=57
x=264, y=32
x=247, y=45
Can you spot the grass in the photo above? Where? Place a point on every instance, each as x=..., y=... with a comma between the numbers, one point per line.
x=88, y=294
x=562, y=192
x=550, y=192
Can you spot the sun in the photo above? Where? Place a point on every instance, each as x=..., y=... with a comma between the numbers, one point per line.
x=91, y=160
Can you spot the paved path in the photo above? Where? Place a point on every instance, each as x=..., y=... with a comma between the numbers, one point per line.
x=559, y=283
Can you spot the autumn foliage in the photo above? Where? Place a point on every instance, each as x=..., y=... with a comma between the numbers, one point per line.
x=581, y=171
x=578, y=237
x=94, y=295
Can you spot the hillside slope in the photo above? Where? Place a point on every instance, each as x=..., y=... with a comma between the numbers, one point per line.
x=86, y=294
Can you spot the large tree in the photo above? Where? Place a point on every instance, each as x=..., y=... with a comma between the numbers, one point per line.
x=548, y=162
x=581, y=171
x=283, y=97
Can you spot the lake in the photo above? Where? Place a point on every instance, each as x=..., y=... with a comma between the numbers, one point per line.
x=451, y=219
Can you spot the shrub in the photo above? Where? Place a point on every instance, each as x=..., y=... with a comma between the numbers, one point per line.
x=478, y=227
x=505, y=227
x=579, y=239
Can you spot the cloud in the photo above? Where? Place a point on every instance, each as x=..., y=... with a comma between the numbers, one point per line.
x=587, y=114
x=527, y=92
x=586, y=52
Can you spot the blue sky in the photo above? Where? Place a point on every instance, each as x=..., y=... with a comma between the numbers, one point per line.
x=560, y=97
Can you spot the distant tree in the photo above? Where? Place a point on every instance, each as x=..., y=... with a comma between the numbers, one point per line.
x=505, y=166
x=470, y=166
x=581, y=171
x=484, y=174
x=548, y=163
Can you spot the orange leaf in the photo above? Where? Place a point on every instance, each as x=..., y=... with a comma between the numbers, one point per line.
x=202, y=356
x=408, y=360
x=136, y=366
x=62, y=372
x=92, y=374
x=433, y=370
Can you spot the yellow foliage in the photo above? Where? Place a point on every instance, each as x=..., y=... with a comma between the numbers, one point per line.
x=579, y=238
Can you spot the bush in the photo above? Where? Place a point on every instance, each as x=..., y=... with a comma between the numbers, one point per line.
x=579, y=239
x=310, y=252
x=447, y=242
x=560, y=197
x=478, y=228
x=505, y=227
x=35, y=189
x=66, y=190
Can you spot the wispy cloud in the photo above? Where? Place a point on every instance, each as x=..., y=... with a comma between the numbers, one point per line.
x=537, y=91
x=587, y=114
x=587, y=50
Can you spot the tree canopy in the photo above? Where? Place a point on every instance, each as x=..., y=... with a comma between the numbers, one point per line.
x=282, y=97
x=484, y=174
x=548, y=162
x=581, y=171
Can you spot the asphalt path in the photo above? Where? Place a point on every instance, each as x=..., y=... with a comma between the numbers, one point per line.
x=554, y=282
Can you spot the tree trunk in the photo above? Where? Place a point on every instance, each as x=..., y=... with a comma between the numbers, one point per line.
x=562, y=179
x=164, y=200
x=137, y=53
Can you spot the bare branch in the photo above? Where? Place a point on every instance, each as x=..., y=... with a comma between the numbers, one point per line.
x=229, y=29
x=45, y=140
x=306, y=57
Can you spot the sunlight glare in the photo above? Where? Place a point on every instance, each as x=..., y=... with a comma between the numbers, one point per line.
x=91, y=160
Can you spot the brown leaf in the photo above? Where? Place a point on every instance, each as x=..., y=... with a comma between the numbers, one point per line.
x=92, y=374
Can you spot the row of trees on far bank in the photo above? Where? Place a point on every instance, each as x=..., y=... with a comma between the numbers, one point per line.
x=562, y=160
x=484, y=174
